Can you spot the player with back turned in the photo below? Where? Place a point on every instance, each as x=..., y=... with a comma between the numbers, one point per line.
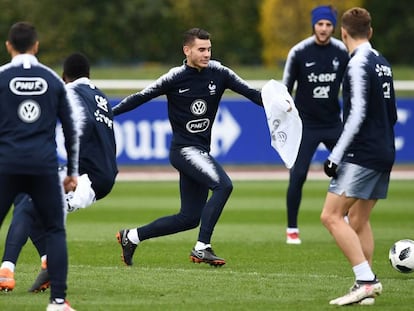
x=97, y=169
x=32, y=99
x=360, y=163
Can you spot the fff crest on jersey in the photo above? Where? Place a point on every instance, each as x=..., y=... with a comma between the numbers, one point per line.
x=212, y=88
x=335, y=64
x=28, y=85
x=198, y=107
x=29, y=111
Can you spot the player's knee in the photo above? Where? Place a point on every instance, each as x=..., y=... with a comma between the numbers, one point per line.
x=228, y=188
x=188, y=223
x=325, y=219
x=298, y=178
x=331, y=220
x=224, y=188
x=191, y=224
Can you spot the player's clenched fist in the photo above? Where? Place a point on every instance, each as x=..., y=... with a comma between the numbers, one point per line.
x=70, y=183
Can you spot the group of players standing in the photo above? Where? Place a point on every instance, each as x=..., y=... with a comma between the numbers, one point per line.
x=361, y=145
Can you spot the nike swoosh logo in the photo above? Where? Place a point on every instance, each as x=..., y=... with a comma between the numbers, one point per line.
x=124, y=240
x=183, y=90
x=200, y=254
x=309, y=64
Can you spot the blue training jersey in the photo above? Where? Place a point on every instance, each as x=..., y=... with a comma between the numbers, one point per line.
x=97, y=155
x=193, y=99
x=317, y=71
x=369, y=112
x=32, y=99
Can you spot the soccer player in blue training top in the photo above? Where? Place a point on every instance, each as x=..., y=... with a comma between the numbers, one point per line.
x=97, y=167
x=32, y=99
x=193, y=91
x=360, y=163
x=317, y=65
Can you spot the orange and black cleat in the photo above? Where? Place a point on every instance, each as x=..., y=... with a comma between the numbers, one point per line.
x=128, y=248
x=207, y=256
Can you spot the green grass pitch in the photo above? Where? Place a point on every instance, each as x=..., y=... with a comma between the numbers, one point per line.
x=262, y=272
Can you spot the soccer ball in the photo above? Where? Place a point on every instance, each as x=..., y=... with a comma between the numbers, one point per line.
x=401, y=256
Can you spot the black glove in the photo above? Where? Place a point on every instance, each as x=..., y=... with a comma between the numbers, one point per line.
x=330, y=168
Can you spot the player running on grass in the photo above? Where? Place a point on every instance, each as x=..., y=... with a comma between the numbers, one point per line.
x=193, y=91
x=97, y=169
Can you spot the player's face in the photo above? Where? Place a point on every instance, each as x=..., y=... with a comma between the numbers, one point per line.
x=323, y=30
x=198, y=54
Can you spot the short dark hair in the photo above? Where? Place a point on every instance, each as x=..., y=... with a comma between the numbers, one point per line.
x=195, y=33
x=76, y=66
x=357, y=22
x=22, y=36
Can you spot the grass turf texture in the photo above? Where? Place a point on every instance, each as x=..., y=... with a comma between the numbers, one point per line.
x=262, y=272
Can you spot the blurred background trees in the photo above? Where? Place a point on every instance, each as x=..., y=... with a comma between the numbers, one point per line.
x=254, y=32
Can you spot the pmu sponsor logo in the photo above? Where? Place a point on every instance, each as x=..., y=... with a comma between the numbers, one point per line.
x=196, y=126
x=28, y=86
